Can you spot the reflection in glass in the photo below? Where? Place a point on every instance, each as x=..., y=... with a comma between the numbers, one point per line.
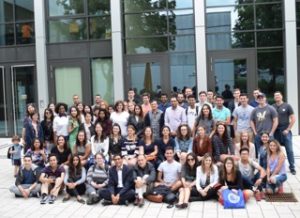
x=7, y=34
x=6, y=11
x=102, y=72
x=180, y=4
x=271, y=76
x=269, y=38
x=269, y=16
x=181, y=22
x=231, y=73
x=67, y=83
x=65, y=7
x=230, y=40
x=100, y=27
x=182, y=43
x=183, y=73
x=150, y=23
x=142, y=5
x=298, y=36
x=146, y=45
x=25, y=33
x=3, y=115
x=211, y=3
x=99, y=7
x=67, y=30
x=24, y=10
x=145, y=77
x=298, y=13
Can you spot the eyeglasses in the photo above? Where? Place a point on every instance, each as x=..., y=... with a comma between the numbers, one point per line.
x=117, y=159
x=190, y=159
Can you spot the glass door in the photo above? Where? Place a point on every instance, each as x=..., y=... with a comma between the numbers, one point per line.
x=24, y=91
x=3, y=106
x=230, y=70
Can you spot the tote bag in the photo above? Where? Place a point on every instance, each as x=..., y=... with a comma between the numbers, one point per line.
x=233, y=200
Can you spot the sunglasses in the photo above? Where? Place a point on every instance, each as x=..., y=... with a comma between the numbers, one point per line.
x=190, y=159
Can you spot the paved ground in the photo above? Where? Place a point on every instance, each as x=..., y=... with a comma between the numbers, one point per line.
x=12, y=207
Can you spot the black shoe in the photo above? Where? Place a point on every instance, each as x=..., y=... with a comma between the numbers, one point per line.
x=51, y=199
x=126, y=203
x=89, y=201
x=81, y=201
x=170, y=206
x=106, y=203
x=44, y=199
x=95, y=199
x=184, y=205
x=293, y=171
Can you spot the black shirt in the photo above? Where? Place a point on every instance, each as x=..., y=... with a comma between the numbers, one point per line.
x=62, y=157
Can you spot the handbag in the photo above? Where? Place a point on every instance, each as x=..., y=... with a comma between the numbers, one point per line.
x=232, y=199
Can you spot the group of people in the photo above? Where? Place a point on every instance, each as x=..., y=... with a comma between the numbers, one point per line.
x=165, y=151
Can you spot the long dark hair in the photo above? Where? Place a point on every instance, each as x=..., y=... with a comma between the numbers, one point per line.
x=191, y=171
x=34, y=140
x=77, y=111
x=102, y=137
x=65, y=144
x=106, y=113
x=49, y=111
x=74, y=171
x=188, y=135
x=224, y=172
x=201, y=116
x=84, y=141
x=225, y=136
x=141, y=111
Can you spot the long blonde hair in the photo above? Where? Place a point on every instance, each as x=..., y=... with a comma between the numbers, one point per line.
x=207, y=155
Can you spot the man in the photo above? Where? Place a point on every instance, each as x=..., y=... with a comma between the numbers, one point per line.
x=131, y=96
x=168, y=177
x=181, y=100
x=155, y=119
x=248, y=167
x=220, y=112
x=210, y=98
x=241, y=118
x=264, y=118
x=192, y=111
x=52, y=179
x=76, y=100
x=144, y=175
x=146, y=107
x=98, y=100
x=235, y=102
x=120, y=189
x=174, y=116
x=187, y=92
x=26, y=184
x=164, y=104
x=203, y=99
x=286, y=121
x=254, y=103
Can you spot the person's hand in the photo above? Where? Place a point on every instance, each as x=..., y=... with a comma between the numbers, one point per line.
x=258, y=182
x=285, y=132
x=94, y=184
x=42, y=152
x=25, y=193
x=224, y=187
x=202, y=193
x=206, y=189
x=234, y=191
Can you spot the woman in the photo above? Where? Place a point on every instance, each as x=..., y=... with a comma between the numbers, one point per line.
x=131, y=106
x=115, y=141
x=137, y=119
x=231, y=178
x=201, y=143
x=87, y=109
x=120, y=116
x=206, y=179
x=60, y=122
x=183, y=142
x=47, y=126
x=105, y=122
x=276, y=172
x=111, y=109
x=51, y=106
x=75, y=180
x=73, y=126
x=100, y=142
x=245, y=142
x=88, y=126
x=62, y=151
x=33, y=129
x=222, y=144
x=96, y=113
x=80, y=108
x=147, y=146
x=165, y=141
x=38, y=154
x=262, y=154
x=205, y=119
x=30, y=109
x=129, y=148
x=82, y=148
x=188, y=179
x=97, y=179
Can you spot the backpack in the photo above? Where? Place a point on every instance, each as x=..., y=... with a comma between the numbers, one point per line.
x=9, y=155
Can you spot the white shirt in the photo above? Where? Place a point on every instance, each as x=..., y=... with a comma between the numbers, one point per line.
x=201, y=177
x=60, y=125
x=120, y=177
x=98, y=146
x=121, y=119
x=191, y=116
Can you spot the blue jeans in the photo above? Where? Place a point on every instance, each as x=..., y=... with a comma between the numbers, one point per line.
x=258, y=143
x=248, y=183
x=279, y=180
x=286, y=141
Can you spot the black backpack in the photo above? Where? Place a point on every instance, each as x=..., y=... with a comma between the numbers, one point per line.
x=9, y=155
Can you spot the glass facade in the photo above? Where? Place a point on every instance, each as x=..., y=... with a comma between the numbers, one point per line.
x=77, y=20
x=16, y=22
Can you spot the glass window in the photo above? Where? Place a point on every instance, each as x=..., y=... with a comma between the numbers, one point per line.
x=183, y=73
x=67, y=83
x=211, y=3
x=150, y=23
x=269, y=38
x=179, y=4
x=24, y=10
x=6, y=11
x=230, y=40
x=182, y=43
x=3, y=112
x=146, y=45
x=99, y=7
x=181, y=22
x=142, y=5
x=65, y=7
x=269, y=16
x=271, y=75
x=298, y=13
x=67, y=30
x=25, y=33
x=100, y=27
x=7, y=36
x=102, y=71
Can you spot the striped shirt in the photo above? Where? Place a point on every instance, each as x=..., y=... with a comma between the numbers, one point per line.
x=97, y=174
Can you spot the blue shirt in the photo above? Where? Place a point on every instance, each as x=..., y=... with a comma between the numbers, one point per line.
x=221, y=115
x=17, y=150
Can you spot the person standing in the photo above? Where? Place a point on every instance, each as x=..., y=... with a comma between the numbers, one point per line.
x=155, y=119
x=286, y=121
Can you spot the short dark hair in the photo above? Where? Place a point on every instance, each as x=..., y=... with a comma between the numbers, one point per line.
x=243, y=95
x=117, y=155
x=52, y=155
x=244, y=148
x=202, y=92
x=28, y=156
x=15, y=138
x=220, y=96
x=169, y=148
x=191, y=96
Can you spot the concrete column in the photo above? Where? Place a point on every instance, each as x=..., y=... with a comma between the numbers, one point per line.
x=291, y=59
x=41, y=54
x=201, y=57
x=117, y=51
